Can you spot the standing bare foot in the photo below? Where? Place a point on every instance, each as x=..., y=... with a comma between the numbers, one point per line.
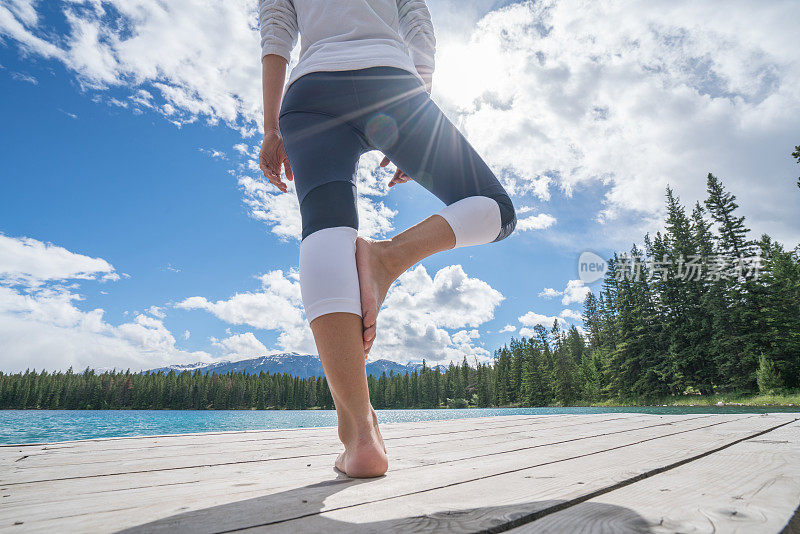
x=375, y=276
x=364, y=453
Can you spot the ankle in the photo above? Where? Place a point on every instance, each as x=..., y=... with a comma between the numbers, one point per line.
x=394, y=257
x=357, y=427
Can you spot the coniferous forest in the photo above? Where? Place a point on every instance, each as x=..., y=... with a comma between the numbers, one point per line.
x=701, y=308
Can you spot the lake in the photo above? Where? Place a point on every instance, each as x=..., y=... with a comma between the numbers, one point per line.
x=35, y=426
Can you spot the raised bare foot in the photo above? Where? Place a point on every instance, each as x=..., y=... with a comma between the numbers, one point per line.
x=365, y=455
x=375, y=276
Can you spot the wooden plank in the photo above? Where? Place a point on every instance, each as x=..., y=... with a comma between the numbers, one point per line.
x=424, y=478
x=225, y=435
x=288, y=441
x=234, y=480
x=753, y=486
x=464, y=507
x=19, y=473
x=10, y=454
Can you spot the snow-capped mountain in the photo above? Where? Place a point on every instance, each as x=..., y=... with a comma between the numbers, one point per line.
x=291, y=363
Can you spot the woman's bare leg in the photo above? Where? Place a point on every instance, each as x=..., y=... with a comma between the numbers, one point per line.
x=381, y=262
x=339, y=342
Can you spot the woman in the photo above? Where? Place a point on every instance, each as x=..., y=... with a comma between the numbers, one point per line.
x=362, y=83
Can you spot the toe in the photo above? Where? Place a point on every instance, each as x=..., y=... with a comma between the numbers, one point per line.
x=369, y=333
x=370, y=317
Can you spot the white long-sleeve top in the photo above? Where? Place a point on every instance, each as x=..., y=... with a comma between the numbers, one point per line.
x=348, y=34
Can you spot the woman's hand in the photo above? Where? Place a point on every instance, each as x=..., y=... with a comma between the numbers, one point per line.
x=399, y=176
x=272, y=156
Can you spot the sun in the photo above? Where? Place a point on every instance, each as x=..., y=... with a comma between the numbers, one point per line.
x=466, y=70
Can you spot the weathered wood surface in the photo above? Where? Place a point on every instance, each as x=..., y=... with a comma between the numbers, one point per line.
x=552, y=473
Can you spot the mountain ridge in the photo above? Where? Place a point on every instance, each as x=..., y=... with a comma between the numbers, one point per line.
x=291, y=363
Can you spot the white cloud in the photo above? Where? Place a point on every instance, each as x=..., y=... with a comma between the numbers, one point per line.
x=532, y=318
x=570, y=314
x=19, y=20
x=631, y=98
x=156, y=311
x=31, y=262
x=419, y=310
x=30, y=342
x=277, y=306
x=240, y=346
x=575, y=292
x=22, y=77
x=42, y=327
x=68, y=114
x=213, y=153
x=527, y=332
x=279, y=210
x=574, y=85
x=541, y=221
x=508, y=328
x=465, y=337
x=549, y=293
x=274, y=306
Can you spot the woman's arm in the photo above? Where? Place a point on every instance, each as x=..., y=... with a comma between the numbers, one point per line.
x=278, y=26
x=273, y=76
x=417, y=31
x=272, y=154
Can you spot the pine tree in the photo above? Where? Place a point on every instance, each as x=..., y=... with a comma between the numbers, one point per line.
x=591, y=320
x=796, y=155
x=767, y=377
x=733, y=332
x=684, y=320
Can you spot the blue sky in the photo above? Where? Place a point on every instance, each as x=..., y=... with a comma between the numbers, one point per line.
x=135, y=230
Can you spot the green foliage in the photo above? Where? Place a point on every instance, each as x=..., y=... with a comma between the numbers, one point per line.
x=671, y=333
x=767, y=377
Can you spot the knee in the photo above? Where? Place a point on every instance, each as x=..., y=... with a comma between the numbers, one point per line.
x=329, y=205
x=328, y=273
x=508, y=215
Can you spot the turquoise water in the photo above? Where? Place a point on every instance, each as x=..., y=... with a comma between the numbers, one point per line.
x=35, y=426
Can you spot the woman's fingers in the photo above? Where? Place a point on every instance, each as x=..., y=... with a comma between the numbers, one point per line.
x=399, y=178
x=277, y=182
x=262, y=164
x=287, y=168
x=368, y=347
x=270, y=159
x=273, y=177
x=394, y=178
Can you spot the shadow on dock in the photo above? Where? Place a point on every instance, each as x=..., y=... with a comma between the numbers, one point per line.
x=299, y=509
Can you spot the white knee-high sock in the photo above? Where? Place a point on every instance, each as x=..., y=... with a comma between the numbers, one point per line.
x=474, y=220
x=328, y=274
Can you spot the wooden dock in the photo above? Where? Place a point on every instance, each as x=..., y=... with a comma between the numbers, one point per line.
x=553, y=473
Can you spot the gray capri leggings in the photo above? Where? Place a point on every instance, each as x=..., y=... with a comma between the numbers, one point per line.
x=328, y=119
